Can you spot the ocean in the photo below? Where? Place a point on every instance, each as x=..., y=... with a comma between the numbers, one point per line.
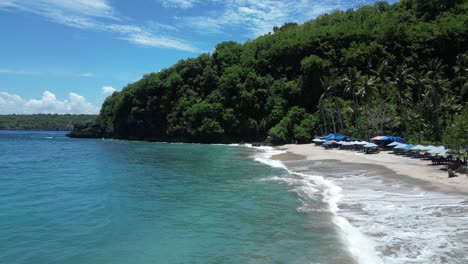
x=108, y=201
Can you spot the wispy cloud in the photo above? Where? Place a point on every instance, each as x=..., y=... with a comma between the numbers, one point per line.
x=108, y=89
x=17, y=72
x=48, y=103
x=87, y=74
x=96, y=15
x=184, y=4
x=255, y=17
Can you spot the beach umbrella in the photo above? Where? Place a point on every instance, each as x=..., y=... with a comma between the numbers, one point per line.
x=418, y=147
x=387, y=138
x=370, y=145
x=427, y=148
x=445, y=153
x=437, y=150
x=400, y=146
x=327, y=143
x=377, y=138
x=318, y=140
x=362, y=143
x=392, y=138
x=408, y=147
x=394, y=143
x=341, y=137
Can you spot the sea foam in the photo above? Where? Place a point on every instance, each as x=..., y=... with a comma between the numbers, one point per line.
x=310, y=187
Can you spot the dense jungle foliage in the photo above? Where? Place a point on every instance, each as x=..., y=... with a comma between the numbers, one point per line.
x=43, y=121
x=396, y=69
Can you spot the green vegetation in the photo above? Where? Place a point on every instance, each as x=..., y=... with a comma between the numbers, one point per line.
x=43, y=121
x=397, y=69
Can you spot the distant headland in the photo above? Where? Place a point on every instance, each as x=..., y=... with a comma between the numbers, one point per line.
x=50, y=122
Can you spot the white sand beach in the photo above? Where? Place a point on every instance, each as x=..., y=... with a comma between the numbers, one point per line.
x=411, y=167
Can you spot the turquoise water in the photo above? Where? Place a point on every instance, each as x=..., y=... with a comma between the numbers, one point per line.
x=104, y=201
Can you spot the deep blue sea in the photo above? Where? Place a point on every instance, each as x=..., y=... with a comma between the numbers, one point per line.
x=107, y=201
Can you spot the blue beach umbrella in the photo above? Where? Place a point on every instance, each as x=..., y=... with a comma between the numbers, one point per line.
x=393, y=144
x=418, y=147
x=400, y=146
x=370, y=145
x=430, y=147
x=437, y=150
x=408, y=147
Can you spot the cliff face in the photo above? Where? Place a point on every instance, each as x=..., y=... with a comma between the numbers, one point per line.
x=86, y=130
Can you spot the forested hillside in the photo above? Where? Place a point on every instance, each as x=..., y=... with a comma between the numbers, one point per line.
x=382, y=69
x=43, y=121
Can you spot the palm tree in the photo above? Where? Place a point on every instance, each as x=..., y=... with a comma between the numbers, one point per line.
x=350, y=80
x=401, y=78
x=330, y=85
x=436, y=88
x=366, y=88
x=420, y=81
x=382, y=75
x=321, y=106
x=461, y=77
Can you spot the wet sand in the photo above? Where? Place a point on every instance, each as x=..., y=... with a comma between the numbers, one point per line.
x=422, y=170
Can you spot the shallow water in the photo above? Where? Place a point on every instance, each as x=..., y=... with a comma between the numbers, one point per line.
x=105, y=201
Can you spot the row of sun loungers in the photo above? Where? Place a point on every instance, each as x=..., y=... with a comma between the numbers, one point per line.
x=438, y=155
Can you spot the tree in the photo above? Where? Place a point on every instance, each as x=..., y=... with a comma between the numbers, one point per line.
x=455, y=134
x=296, y=126
x=401, y=78
x=382, y=77
x=366, y=88
x=351, y=82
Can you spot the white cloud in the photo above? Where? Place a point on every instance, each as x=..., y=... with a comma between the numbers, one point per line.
x=108, y=89
x=87, y=74
x=184, y=4
x=75, y=104
x=257, y=17
x=16, y=72
x=96, y=15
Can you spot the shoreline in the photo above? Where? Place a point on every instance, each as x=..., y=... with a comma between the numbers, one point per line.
x=401, y=165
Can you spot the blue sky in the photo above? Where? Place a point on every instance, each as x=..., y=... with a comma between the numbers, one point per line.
x=66, y=56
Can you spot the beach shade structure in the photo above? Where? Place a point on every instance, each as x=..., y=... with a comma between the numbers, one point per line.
x=318, y=141
x=383, y=141
x=328, y=144
x=371, y=145
x=427, y=148
x=408, y=147
x=342, y=137
x=393, y=139
x=418, y=148
x=376, y=138
x=393, y=144
x=371, y=148
x=400, y=146
x=328, y=137
x=437, y=150
x=336, y=137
